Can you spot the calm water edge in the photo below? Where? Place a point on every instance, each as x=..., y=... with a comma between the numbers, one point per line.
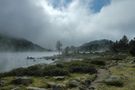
x=9, y=61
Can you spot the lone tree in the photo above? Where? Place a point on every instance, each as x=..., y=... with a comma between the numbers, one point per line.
x=59, y=46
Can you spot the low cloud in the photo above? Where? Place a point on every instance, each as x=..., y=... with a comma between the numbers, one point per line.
x=73, y=24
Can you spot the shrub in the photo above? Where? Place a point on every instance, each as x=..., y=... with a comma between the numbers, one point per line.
x=82, y=69
x=22, y=80
x=17, y=72
x=119, y=57
x=60, y=65
x=3, y=75
x=55, y=72
x=34, y=71
x=132, y=51
x=98, y=62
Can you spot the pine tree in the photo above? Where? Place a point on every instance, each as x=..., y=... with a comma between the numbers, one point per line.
x=132, y=47
x=121, y=45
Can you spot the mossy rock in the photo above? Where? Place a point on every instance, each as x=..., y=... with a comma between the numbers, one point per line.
x=114, y=81
x=73, y=83
x=22, y=81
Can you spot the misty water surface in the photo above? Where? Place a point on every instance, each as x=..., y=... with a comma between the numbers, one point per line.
x=9, y=61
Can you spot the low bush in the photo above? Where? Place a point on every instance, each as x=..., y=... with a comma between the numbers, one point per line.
x=82, y=69
x=55, y=72
x=34, y=71
x=132, y=51
x=98, y=62
x=60, y=65
x=22, y=80
x=17, y=72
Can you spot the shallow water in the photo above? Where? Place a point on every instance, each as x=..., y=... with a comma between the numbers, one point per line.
x=9, y=61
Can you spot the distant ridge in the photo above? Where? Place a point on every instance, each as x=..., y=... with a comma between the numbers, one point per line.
x=96, y=45
x=8, y=43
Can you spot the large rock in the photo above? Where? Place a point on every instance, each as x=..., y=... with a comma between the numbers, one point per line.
x=114, y=81
x=73, y=83
x=132, y=62
x=87, y=82
x=22, y=80
x=2, y=82
x=59, y=87
x=56, y=86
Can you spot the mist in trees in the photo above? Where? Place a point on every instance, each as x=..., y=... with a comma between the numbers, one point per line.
x=124, y=45
x=121, y=45
x=59, y=46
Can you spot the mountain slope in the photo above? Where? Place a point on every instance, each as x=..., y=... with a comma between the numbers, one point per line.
x=97, y=45
x=16, y=44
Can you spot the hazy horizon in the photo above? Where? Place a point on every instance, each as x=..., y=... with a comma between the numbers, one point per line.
x=73, y=22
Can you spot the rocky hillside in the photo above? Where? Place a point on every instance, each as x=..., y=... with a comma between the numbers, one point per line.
x=16, y=44
x=97, y=45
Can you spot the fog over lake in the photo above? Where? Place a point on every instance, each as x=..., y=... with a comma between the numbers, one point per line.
x=11, y=60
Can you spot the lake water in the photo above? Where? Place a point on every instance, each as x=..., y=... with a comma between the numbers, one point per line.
x=9, y=61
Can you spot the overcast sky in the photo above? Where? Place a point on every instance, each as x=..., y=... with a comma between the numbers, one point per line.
x=71, y=21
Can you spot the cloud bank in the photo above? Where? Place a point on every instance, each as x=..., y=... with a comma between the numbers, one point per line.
x=73, y=22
